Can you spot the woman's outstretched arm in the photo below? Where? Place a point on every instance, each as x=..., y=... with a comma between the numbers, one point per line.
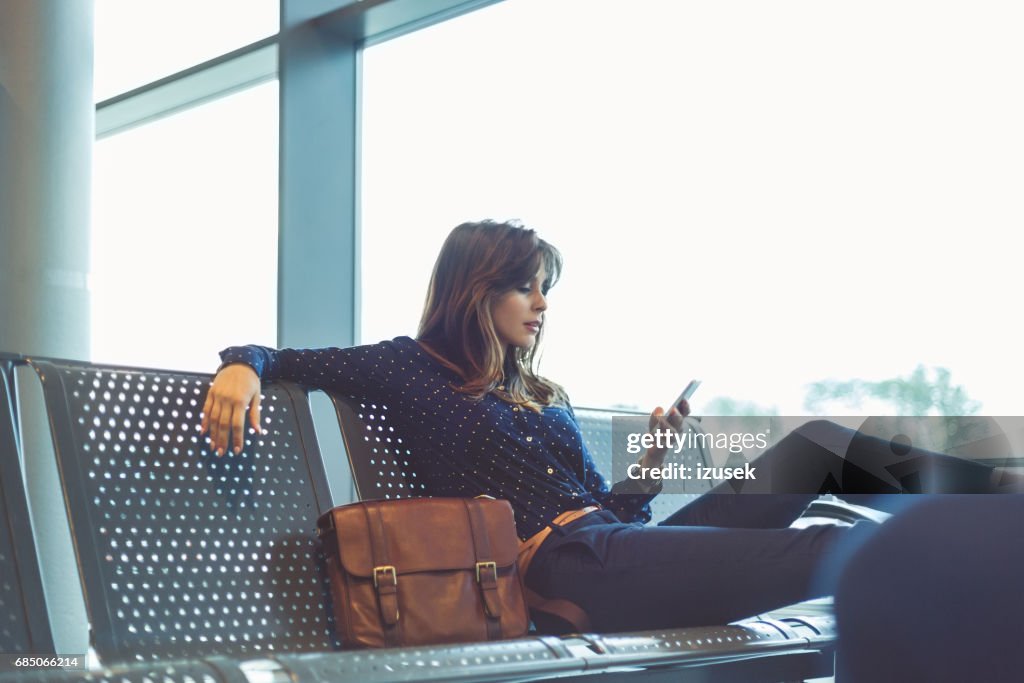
x=372, y=371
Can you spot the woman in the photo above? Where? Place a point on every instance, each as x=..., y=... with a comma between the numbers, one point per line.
x=466, y=391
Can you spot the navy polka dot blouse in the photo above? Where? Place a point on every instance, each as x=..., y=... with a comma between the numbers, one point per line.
x=464, y=447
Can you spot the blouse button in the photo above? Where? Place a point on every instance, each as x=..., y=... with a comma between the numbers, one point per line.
x=501, y=387
x=516, y=409
x=551, y=470
x=529, y=438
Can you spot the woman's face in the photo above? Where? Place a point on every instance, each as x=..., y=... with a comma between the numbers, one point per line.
x=518, y=314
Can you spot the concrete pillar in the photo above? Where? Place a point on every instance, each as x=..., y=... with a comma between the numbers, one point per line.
x=46, y=135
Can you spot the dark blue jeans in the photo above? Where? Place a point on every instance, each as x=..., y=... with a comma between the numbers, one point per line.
x=720, y=558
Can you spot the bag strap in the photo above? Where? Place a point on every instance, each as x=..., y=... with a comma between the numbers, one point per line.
x=385, y=575
x=563, y=609
x=486, y=568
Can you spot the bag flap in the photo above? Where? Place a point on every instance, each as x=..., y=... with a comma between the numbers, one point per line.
x=424, y=534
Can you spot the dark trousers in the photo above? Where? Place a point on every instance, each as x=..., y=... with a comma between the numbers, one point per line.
x=722, y=557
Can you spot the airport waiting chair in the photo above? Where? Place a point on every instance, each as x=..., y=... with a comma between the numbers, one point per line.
x=199, y=568
x=24, y=623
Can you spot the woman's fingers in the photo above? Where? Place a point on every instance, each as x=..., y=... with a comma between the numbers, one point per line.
x=213, y=421
x=224, y=427
x=227, y=426
x=676, y=416
x=221, y=419
x=204, y=425
x=655, y=419
x=238, y=427
x=683, y=407
x=254, y=413
x=673, y=421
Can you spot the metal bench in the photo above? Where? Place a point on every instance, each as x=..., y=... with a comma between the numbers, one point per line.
x=198, y=568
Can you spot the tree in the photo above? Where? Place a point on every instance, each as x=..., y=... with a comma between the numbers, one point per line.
x=926, y=391
x=723, y=405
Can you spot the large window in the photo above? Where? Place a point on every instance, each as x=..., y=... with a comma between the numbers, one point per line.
x=184, y=247
x=762, y=195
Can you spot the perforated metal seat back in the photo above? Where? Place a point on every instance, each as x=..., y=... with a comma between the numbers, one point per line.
x=183, y=553
x=380, y=458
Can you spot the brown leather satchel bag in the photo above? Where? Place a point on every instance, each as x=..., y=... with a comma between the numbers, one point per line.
x=418, y=571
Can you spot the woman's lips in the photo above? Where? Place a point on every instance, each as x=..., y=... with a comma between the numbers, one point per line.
x=535, y=327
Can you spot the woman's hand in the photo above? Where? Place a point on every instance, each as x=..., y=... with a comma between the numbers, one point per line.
x=673, y=422
x=235, y=388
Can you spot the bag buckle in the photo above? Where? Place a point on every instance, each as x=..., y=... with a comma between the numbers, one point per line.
x=493, y=566
x=394, y=574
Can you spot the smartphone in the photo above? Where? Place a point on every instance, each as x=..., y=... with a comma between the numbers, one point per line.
x=687, y=393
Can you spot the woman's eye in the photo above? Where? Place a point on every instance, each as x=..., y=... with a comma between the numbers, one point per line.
x=524, y=290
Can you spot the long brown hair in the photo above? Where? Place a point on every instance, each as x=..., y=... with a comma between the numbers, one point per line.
x=478, y=263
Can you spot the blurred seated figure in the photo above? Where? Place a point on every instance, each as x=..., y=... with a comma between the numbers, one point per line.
x=934, y=594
